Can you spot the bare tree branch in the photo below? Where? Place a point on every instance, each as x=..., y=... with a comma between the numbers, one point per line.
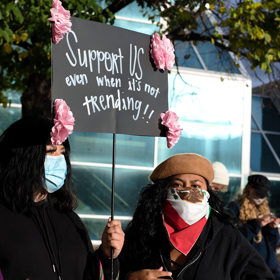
x=193, y=36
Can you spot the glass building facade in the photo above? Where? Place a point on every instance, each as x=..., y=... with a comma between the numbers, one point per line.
x=215, y=112
x=265, y=150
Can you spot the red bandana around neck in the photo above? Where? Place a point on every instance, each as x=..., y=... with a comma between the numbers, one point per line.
x=181, y=234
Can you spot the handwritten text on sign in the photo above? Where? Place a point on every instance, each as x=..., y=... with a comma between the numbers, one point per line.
x=105, y=75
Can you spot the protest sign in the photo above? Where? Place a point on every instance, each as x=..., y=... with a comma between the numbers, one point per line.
x=107, y=77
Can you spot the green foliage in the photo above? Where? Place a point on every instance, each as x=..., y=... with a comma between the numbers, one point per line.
x=3, y=100
x=25, y=43
x=253, y=30
x=250, y=29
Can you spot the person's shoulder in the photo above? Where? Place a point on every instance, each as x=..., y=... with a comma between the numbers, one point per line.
x=237, y=239
x=234, y=204
x=4, y=210
x=243, y=256
x=226, y=230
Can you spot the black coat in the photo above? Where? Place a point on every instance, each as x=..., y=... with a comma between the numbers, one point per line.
x=23, y=251
x=270, y=238
x=220, y=253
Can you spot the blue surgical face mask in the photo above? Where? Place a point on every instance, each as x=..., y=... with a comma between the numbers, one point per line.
x=55, y=172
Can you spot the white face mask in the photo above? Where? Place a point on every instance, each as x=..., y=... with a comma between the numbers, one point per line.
x=190, y=204
x=256, y=199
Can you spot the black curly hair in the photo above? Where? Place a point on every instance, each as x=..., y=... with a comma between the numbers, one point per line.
x=146, y=226
x=22, y=156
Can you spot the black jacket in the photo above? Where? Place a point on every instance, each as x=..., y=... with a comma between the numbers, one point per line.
x=220, y=253
x=23, y=249
x=270, y=238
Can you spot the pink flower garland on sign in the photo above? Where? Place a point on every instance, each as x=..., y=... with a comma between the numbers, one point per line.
x=170, y=121
x=162, y=52
x=63, y=122
x=61, y=21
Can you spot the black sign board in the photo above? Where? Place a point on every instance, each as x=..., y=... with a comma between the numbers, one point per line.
x=106, y=76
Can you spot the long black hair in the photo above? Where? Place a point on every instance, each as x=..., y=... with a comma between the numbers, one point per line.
x=146, y=227
x=22, y=156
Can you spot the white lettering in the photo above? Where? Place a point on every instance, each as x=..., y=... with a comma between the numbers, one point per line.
x=112, y=99
x=91, y=58
x=101, y=100
x=118, y=101
x=137, y=107
x=85, y=58
x=67, y=40
x=99, y=81
x=87, y=104
x=139, y=65
x=73, y=80
x=108, y=57
x=67, y=81
x=84, y=76
x=99, y=59
x=130, y=100
x=79, y=79
x=93, y=102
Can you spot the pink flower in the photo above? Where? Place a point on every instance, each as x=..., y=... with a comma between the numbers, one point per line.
x=157, y=52
x=162, y=52
x=170, y=121
x=63, y=122
x=61, y=21
x=168, y=53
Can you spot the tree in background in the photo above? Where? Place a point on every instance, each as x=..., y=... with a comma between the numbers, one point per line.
x=249, y=30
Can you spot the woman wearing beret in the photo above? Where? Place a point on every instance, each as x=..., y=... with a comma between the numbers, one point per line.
x=180, y=229
x=261, y=226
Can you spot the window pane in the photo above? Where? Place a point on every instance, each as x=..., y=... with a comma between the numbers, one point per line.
x=221, y=144
x=134, y=11
x=94, y=189
x=131, y=11
x=274, y=197
x=13, y=95
x=183, y=49
x=262, y=158
x=97, y=147
x=8, y=116
x=233, y=190
x=257, y=109
x=135, y=150
x=210, y=101
x=253, y=125
x=274, y=141
x=267, y=117
x=209, y=55
x=91, y=147
x=137, y=26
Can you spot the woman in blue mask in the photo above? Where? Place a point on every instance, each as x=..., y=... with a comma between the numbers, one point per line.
x=41, y=237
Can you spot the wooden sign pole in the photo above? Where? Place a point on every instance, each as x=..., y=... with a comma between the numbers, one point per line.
x=112, y=199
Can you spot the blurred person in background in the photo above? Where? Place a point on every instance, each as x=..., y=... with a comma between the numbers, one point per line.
x=260, y=224
x=221, y=178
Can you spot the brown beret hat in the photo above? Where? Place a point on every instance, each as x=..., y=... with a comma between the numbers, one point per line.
x=184, y=164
